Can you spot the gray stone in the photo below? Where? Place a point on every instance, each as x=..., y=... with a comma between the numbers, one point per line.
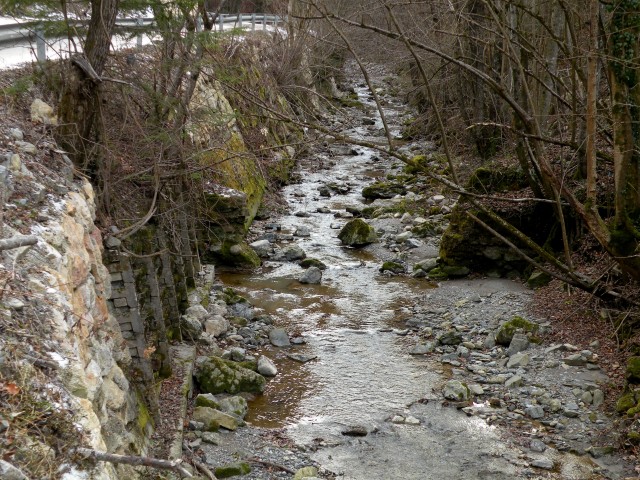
x=212, y=438
x=237, y=354
x=456, y=390
x=293, y=252
x=355, y=431
x=412, y=243
x=586, y=398
x=306, y=473
x=207, y=400
x=14, y=303
x=514, y=382
x=214, y=419
x=266, y=367
x=279, y=337
x=598, y=397
x=537, y=445
x=302, y=231
x=534, y=411
x=518, y=360
x=26, y=147
x=452, y=337
x=544, y=463
x=575, y=360
x=216, y=325
x=312, y=275
x=233, y=405
x=403, y=237
x=9, y=472
x=476, y=389
x=426, y=265
x=555, y=405
x=422, y=348
x=261, y=247
x=16, y=133
x=299, y=357
x=197, y=311
x=519, y=343
x=571, y=410
x=191, y=327
x=112, y=242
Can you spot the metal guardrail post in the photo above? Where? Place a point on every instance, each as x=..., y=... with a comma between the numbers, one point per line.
x=139, y=23
x=221, y=22
x=253, y=22
x=264, y=22
x=240, y=20
x=41, y=46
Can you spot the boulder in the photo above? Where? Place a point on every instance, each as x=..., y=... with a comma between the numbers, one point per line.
x=426, y=265
x=292, y=253
x=216, y=375
x=213, y=419
x=207, y=400
x=312, y=275
x=261, y=247
x=456, y=390
x=216, y=325
x=508, y=329
x=451, y=337
x=279, y=337
x=519, y=343
x=232, y=470
x=197, y=311
x=357, y=232
x=234, y=405
x=312, y=262
x=633, y=370
x=42, y=113
x=392, y=267
x=266, y=367
x=191, y=327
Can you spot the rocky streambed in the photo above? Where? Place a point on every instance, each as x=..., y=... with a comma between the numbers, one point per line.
x=375, y=371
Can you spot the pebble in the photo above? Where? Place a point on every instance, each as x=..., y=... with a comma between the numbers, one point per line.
x=543, y=463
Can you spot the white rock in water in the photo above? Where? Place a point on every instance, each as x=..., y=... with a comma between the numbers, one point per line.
x=266, y=367
x=311, y=275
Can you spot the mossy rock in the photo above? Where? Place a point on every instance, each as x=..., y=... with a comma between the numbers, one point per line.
x=497, y=178
x=437, y=274
x=455, y=270
x=633, y=370
x=249, y=365
x=392, y=267
x=538, y=279
x=236, y=254
x=633, y=437
x=312, y=262
x=207, y=400
x=238, y=321
x=383, y=190
x=216, y=375
x=233, y=470
x=416, y=165
x=426, y=229
x=508, y=329
x=357, y=233
x=230, y=297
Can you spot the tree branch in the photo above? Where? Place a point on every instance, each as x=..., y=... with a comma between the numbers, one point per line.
x=172, y=465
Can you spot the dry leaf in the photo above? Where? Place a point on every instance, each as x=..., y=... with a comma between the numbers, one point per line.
x=11, y=388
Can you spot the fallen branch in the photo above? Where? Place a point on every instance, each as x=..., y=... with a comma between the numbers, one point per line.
x=204, y=469
x=172, y=465
x=17, y=242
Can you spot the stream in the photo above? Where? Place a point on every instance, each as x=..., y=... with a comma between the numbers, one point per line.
x=363, y=407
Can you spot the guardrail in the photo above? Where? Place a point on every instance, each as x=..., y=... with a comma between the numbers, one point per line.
x=21, y=32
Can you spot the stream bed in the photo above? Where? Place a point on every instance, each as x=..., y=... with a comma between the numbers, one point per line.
x=362, y=407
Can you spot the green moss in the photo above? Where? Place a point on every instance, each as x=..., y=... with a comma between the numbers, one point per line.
x=144, y=418
x=238, y=321
x=416, y=165
x=237, y=254
x=216, y=375
x=426, y=229
x=392, y=267
x=497, y=178
x=437, y=274
x=232, y=470
x=633, y=437
x=231, y=297
x=633, y=370
x=538, y=279
x=207, y=401
x=508, y=329
x=357, y=232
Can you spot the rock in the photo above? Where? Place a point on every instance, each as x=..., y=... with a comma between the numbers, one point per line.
x=456, y=390
x=518, y=360
x=383, y=190
x=279, y=338
x=216, y=325
x=571, y=410
x=197, y=311
x=262, y=248
x=191, y=327
x=626, y=402
x=9, y=472
x=234, y=405
x=214, y=419
x=14, y=303
x=232, y=470
x=538, y=279
x=508, y=329
x=598, y=397
x=514, y=382
x=404, y=236
x=452, y=337
x=355, y=431
x=422, y=348
x=476, y=389
x=392, y=267
x=597, y=452
x=534, y=411
x=357, y=232
x=302, y=231
x=216, y=375
x=298, y=357
x=519, y=343
x=302, y=214
x=537, y=445
x=575, y=360
x=237, y=354
x=292, y=253
x=207, y=400
x=266, y=367
x=312, y=275
x=42, y=113
x=312, y=262
x=112, y=242
x=426, y=265
x=16, y=134
x=410, y=420
x=211, y=438
x=412, y=243
x=543, y=463
x=306, y=473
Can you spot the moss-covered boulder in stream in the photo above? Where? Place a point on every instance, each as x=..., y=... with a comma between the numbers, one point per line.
x=357, y=233
x=237, y=254
x=508, y=329
x=393, y=267
x=216, y=375
x=313, y=262
x=383, y=190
